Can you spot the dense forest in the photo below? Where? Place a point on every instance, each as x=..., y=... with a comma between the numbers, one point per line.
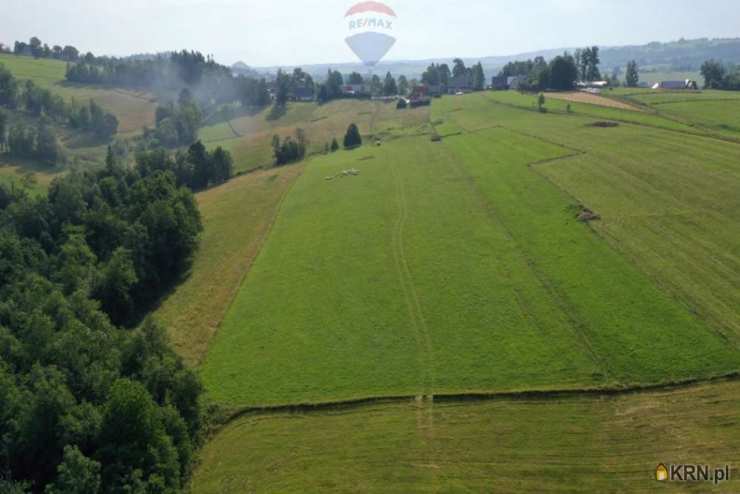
x=87, y=405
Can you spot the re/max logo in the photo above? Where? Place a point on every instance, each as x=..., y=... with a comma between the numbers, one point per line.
x=694, y=473
x=371, y=22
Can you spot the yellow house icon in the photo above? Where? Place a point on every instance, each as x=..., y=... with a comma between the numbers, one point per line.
x=661, y=473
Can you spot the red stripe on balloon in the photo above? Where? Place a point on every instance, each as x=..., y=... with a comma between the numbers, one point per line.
x=370, y=7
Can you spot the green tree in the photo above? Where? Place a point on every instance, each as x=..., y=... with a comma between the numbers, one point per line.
x=77, y=474
x=8, y=88
x=403, y=85
x=458, y=68
x=632, y=76
x=3, y=129
x=115, y=281
x=563, y=73
x=389, y=86
x=541, y=102
x=48, y=148
x=376, y=85
x=444, y=74
x=714, y=74
x=479, y=77
x=222, y=164
x=133, y=437
x=355, y=78
x=282, y=88
x=352, y=138
x=590, y=64
x=35, y=45
x=431, y=76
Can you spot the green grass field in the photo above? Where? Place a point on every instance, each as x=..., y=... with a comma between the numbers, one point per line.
x=236, y=218
x=586, y=444
x=451, y=268
x=134, y=110
x=249, y=138
x=458, y=267
x=32, y=178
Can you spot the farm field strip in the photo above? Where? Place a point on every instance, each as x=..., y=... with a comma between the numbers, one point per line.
x=632, y=176
x=580, y=444
x=520, y=248
x=457, y=281
x=237, y=217
x=566, y=255
x=592, y=99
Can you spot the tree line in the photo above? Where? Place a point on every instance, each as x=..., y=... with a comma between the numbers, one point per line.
x=23, y=139
x=720, y=76
x=196, y=168
x=86, y=405
x=37, y=49
x=560, y=73
x=210, y=83
x=176, y=124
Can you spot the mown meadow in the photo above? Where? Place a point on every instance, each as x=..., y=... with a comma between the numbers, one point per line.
x=459, y=267
x=559, y=444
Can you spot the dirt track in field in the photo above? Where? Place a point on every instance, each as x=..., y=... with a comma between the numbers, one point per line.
x=592, y=99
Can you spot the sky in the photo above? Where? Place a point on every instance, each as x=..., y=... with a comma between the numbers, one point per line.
x=270, y=33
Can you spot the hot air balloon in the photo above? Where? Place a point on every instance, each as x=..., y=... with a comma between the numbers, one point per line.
x=371, y=28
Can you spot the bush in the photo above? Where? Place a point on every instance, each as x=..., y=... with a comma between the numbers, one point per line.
x=352, y=138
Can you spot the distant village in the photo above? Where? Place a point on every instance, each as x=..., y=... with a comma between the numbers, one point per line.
x=420, y=94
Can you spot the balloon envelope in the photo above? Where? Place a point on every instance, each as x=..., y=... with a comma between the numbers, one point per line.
x=370, y=47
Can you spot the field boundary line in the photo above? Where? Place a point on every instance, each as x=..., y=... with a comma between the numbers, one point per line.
x=231, y=126
x=473, y=396
x=259, y=244
x=699, y=133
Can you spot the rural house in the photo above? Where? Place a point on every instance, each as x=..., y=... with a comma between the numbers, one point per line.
x=303, y=94
x=514, y=82
x=355, y=90
x=499, y=83
x=677, y=85
x=460, y=84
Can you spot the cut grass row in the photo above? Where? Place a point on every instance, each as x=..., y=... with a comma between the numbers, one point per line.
x=236, y=218
x=589, y=444
x=668, y=201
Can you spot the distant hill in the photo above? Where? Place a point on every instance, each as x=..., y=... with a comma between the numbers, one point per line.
x=240, y=68
x=675, y=56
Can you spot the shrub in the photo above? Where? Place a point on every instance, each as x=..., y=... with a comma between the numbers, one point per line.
x=352, y=138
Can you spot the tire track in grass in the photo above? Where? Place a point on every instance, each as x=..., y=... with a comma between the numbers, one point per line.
x=558, y=297
x=421, y=331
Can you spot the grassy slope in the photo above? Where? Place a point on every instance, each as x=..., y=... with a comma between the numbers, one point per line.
x=450, y=267
x=236, y=217
x=562, y=445
x=34, y=178
x=134, y=110
x=652, y=189
x=249, y=138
